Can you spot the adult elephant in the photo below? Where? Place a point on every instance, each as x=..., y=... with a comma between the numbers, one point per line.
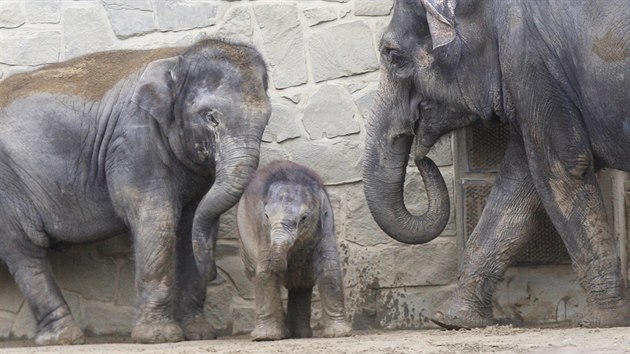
x=160, y=142
x=558, y=72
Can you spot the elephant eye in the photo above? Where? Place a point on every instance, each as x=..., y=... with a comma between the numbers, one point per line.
x=303, y=218
x=210, y=116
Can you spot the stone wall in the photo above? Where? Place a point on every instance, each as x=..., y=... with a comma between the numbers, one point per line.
x=323, y=62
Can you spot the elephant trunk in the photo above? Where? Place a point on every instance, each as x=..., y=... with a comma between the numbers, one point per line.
x=236, y=162
x=384, y=170
x=280, y=244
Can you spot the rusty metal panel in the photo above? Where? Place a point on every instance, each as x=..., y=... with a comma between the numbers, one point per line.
x=485, y=145
x=545, y=246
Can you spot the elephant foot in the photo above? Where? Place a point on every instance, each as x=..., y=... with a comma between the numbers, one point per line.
x=198, y=328
x=270, y=330
x=301, y=332
x=595, y=317
x=70, y=334
x=337, y=329
x=452, y=315
x=160, y=332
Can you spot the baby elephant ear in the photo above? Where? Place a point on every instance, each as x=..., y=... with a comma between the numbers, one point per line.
x=326, y=216
x=441, y=19
x=155, y=90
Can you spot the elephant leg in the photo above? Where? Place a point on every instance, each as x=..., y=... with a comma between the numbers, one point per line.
x=29, y=266
x=155, y=242
x=506, y=224
x=299, y=312
x=191, y=284
x=574, y=203
x=270, y=320
x=330, y=286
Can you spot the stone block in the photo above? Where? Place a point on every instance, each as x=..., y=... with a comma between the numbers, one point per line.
x=283, y=123
x=284, y=46
x=237, y=25
x=317, y=15
x=228, y=256
x=42, y=11
x=119, y=246
x=24, y=323
x=218, y=307
x=6, y=321
x=227, y=224
x=373, y=7
x=409, y=307
x=243, y=317
x=86, y=30
x=11, y=14
x=342, y=50
x=104, y=318
x=364, y=100
x=11, y=298
x=179, y=15
x=80, y=269
x=398, y=265
x=329, y=113
x=271, y=152
x=126, y=295
x=130, y=18
x=336, y=162
x=360, y=227
x=30, y=47
x=539, y=295
x=337, y=0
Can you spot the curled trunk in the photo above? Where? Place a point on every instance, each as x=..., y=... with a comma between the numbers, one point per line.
x=384, y=170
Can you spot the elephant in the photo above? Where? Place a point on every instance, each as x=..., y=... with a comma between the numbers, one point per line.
x=287, y=235
x=157, y=142
x=555, y=72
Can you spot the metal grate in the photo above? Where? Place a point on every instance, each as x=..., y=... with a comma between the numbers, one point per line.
x=486, y=146
x=544, y=248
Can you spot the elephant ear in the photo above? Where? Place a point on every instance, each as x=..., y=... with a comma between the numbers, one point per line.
x=155, y=90
x=441, y=20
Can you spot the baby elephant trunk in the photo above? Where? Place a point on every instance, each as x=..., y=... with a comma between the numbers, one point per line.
x=281, y=241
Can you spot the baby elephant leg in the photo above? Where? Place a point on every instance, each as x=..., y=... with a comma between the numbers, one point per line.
x=270, y=321
x=330, y=286
x=299, y=312
x=32, y=273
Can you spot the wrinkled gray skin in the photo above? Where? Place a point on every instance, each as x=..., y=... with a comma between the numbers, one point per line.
x=287, y=234
x=557, y=73
x=129, y=140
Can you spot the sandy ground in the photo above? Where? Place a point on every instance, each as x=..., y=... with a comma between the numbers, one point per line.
x=500, y=339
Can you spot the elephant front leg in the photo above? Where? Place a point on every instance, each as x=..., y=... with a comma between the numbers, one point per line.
x=270, y=320
x=154, y=241
x=330, y=286
x=191, y=284
x=506, y=224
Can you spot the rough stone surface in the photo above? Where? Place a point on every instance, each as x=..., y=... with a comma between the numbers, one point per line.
x=104, y=318
x=282, y=35
x=229, y=259
x=11, y=14
x=130, y=17
x=342, y=50
x=42, y=11
x=317, y=15
x=409, y=307
x=29, y=47
x=329, y=113
x=237, y=25
x=178, y=15
x=86, y=30
x=283, y=122
x=10, y=297
x=6, y=321
x=243, y=317
x=326, y=157
x=373, y=7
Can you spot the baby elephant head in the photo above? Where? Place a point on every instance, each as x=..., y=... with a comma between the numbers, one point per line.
x=292, y=217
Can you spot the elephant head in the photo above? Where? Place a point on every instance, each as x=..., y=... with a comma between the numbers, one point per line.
x=292, y=214
x=429, y=86
x=210, y=103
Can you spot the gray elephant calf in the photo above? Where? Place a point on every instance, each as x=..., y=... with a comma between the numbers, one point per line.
x=287, y=234
x=129, y=140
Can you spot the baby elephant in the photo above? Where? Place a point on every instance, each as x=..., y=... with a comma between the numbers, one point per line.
x=287, y=235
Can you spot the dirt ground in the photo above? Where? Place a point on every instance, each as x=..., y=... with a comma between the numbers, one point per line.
x=499, y=339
